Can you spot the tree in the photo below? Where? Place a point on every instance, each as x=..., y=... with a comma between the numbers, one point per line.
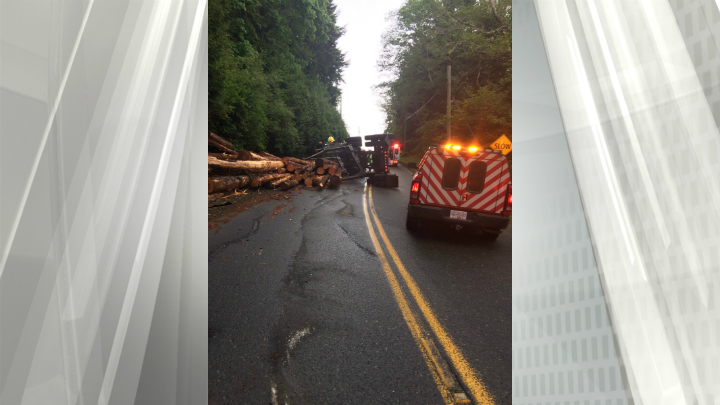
x=274, y=70
x=475, y=38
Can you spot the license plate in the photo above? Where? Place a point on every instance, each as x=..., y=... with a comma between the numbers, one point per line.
x=458, y=214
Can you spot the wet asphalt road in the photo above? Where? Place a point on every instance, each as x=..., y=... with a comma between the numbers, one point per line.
x=301, y=312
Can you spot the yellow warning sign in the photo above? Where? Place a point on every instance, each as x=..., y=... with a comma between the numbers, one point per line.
x=502, y=144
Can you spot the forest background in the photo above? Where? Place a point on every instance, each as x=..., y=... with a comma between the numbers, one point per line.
x=275, y=70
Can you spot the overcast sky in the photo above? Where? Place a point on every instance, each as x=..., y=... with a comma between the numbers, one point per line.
x=364, y=22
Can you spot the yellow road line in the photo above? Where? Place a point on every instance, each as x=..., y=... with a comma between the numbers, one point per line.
x=407, y=313
x=469, y=376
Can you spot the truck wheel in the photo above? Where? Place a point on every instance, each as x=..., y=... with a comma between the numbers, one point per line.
x=412, y=223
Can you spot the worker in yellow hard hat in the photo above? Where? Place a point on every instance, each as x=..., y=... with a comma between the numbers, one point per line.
x=331, y=139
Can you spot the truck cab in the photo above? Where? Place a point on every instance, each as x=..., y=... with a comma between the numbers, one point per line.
x=462, y=186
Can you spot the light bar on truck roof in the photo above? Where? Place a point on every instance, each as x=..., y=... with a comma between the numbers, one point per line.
x=471, y=149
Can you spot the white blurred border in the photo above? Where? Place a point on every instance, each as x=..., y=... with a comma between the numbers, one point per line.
x=636, y=84
x=103, y=246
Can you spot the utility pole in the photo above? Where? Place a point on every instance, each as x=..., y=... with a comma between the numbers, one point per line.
x=405, y=130
x=449, y=101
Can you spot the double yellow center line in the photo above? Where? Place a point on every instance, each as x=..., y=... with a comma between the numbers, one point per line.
x=446, y=383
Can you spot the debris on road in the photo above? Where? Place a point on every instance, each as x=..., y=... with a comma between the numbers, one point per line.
x=238, y=180
x=230, y=170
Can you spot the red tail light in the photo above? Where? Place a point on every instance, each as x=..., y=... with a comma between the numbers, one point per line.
x=415, y=188
x=508, y=203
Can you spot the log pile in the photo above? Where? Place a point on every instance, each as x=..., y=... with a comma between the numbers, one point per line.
x=230, y=171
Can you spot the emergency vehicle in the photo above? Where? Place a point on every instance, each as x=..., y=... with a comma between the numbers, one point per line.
x=464, y=187
x=394, y=154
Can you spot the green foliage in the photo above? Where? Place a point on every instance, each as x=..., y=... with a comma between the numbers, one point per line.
x=274, y=70
x=475, y=38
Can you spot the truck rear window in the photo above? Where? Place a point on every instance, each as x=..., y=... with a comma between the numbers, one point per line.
x=476, y=177
x=451, y=174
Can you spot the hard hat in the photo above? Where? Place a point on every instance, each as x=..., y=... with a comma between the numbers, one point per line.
x=331, y=139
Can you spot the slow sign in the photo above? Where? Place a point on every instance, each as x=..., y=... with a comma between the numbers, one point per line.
x=502, y=144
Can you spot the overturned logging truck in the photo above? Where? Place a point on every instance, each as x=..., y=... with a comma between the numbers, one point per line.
x=230, y=170
x=360, y=163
